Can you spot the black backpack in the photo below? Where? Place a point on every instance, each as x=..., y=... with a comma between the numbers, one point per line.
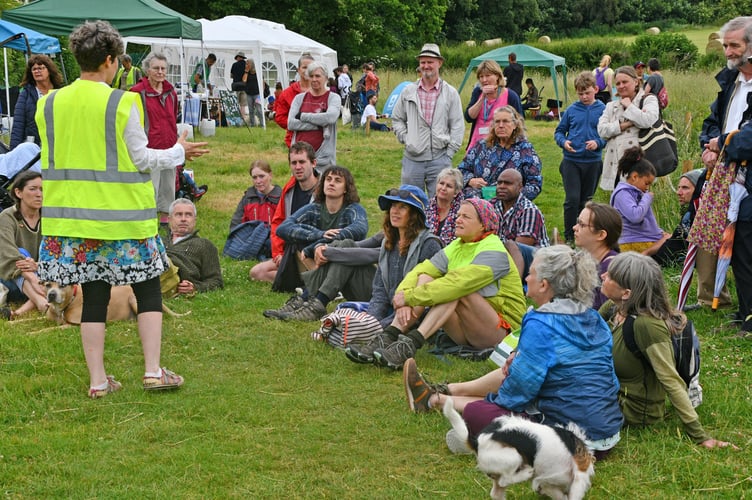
x=686, y=355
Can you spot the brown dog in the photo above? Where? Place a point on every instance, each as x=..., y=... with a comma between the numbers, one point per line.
x=66, y=304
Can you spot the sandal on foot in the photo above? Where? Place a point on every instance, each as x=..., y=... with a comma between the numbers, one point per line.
x=112, y=386
x=168, y=380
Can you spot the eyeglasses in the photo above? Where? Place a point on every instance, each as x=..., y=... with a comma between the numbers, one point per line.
x=158, y=69
x=406, y=195
x=583, y=224
x=40, y=68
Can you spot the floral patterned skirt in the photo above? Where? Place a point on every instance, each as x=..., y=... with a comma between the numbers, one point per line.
x=68, y=260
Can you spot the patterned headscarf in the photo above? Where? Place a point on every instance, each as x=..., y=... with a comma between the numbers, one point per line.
x=486, y=213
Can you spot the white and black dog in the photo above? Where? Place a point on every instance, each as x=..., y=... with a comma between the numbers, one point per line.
x=511, y=450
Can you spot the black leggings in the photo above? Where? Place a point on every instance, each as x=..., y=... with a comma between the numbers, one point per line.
x=97, y=298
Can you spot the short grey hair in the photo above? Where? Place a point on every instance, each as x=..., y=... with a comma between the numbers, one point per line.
x=91, y=43
x=571, y=274
x=146, y=64
x=181, y=201
x=456, y=176
x=317, y=66
x=739, y=23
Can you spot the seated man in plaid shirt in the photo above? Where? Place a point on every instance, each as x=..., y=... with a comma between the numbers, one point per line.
x=522, y=226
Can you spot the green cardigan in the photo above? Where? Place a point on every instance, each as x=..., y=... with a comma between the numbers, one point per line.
x=642, y=394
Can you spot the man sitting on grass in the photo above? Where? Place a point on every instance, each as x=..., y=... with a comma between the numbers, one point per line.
x=197, y=259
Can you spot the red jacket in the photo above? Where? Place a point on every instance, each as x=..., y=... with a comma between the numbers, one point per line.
x=161, y=113
x=278, y=244
x=282, y=108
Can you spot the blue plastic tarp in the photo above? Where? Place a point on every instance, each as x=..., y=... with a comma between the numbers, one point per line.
x=39, y=43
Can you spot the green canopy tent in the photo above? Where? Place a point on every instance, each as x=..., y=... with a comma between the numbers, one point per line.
x=527, y=56
x=130, y=17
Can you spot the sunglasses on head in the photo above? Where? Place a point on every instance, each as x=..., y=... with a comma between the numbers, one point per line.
x=405, y=195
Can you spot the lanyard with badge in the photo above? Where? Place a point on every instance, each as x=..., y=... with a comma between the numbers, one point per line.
x=487, y=109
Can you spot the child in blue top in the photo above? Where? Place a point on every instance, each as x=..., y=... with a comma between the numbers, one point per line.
x=577, y=135
x=633, y=200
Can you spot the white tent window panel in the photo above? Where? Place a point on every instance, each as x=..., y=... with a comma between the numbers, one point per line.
x=269, y=73
x=292, y=73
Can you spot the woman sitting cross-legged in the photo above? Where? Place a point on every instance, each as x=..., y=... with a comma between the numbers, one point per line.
x=472, y=287
x=562, y=370
x=347, y=266
x=635, y=285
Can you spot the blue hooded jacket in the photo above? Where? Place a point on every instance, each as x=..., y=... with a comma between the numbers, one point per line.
x=564, y=368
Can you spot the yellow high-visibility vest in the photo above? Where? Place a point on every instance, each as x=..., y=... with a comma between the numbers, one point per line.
x=91, y=187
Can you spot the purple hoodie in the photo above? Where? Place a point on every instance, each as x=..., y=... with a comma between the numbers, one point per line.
x=638, y=220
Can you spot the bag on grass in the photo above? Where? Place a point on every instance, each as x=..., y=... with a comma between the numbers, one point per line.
x=247, y=241
x=288, y=277
x=345, y=326
x=169, y=281
x=686, y=346
x=444, y=345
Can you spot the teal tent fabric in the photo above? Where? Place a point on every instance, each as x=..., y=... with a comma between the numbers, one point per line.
x=130, y=17
x=527, y=56
x=39, y=43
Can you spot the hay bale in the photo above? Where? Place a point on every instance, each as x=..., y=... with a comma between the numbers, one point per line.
x=491, y=41
x=714, y=36
x=545, y=39
x=470, y=43
x=653, y=31
x=714, y=47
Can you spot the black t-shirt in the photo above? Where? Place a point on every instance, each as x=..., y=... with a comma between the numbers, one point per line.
x=300, y=198
x=236, y=70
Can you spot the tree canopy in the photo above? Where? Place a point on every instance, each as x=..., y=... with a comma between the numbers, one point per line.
x=359, y=29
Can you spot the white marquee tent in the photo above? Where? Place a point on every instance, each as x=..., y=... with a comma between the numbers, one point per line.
x=274, y=49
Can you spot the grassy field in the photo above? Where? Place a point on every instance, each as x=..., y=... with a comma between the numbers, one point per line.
x=268, y=413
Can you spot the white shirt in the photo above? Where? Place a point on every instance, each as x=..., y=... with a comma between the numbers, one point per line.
x=369, y=111
x=344, y=83
x=738, y=104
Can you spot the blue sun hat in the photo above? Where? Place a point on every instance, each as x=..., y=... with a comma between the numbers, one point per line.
x=408, y=194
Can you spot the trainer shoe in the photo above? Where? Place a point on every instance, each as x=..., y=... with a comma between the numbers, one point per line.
x=395, y=355
x=363, y=353
x=456, y=445
x=417, y=389
x=293, y=303
x=311, y=310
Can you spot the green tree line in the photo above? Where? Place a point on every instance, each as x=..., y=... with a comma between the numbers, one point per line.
x=361, y=29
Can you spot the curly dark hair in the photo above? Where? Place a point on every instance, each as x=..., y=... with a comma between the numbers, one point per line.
x=633, y=160
x=56, y=78
x=351, y=192
x=415, y=225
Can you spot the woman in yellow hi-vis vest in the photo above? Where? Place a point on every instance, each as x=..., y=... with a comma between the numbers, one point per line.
x=102, y=226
